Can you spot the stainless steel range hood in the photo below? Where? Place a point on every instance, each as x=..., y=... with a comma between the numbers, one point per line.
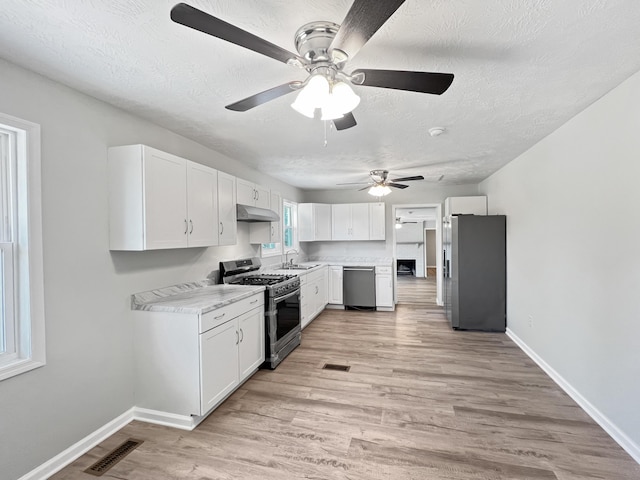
x=247, y=213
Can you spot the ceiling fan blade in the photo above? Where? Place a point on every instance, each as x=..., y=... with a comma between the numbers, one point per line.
x=197, y=19
x=408, y=179
x=263, y=97
x=396, y=185
x=347, y=121
x=354, y=183
x=364, y=19
x=364, y=188
x=423, y=82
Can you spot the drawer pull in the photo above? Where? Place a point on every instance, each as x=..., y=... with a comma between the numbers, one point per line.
x=255, y=301
x=220, y=316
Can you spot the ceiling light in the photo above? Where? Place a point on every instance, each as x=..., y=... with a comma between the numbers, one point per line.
x=379, y=190
x=333, y=98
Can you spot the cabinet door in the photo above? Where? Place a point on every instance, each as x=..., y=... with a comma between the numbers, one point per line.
x=251, y=347
x=262, y=196
x=306, y=299
x=227, y=224
x=276, y=227
x=202, y=205
x=341, y=221
x=165, y=198
x=377, y=221
x=322, y=222
x=218, y=364
x=335, y=285
x=306, y=222
x=384, y=290
x=359, y=221
x=323, y=289
x=246, y=193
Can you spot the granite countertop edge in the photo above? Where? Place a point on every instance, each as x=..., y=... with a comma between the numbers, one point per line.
x=192, y=298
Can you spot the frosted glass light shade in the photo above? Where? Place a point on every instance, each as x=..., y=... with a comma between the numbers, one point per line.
x=344, y=96
x=313, y=95
x=379, y=190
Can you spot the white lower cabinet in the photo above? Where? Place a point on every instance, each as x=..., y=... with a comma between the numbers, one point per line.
x=335, y=285
x=384, y=288
x=313, y=293
x=186, y=364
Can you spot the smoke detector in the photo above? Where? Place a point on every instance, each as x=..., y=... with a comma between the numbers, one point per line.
x=436, y=131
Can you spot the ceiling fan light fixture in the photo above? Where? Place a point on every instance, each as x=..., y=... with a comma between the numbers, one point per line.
x=344, y=96
x=313, y=95
x=379, y=190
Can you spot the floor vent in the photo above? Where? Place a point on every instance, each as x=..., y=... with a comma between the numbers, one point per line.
x=333, y=366
x=110, y=459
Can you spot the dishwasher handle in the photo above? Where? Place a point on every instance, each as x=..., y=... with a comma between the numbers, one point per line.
x=358, y=269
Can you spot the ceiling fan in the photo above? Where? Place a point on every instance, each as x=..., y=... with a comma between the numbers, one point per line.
x=323, y=50
x=380, y=182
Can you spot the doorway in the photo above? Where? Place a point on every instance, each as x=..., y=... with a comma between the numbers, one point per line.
x=416, y=241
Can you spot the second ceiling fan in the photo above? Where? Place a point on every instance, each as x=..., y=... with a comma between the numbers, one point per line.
x=323, y=50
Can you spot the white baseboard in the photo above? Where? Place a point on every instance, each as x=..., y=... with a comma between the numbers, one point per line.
x=78, y=449
x=182, y=422
x=608, y=426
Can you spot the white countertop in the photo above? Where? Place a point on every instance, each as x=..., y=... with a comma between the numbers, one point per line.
x=195, y=298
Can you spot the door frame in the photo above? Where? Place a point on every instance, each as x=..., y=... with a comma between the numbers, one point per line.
x=438, y=207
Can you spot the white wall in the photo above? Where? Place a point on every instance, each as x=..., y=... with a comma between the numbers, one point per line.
x=88, y=377
x=573, y=234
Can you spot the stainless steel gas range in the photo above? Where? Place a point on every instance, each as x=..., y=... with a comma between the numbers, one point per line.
x=282, y=305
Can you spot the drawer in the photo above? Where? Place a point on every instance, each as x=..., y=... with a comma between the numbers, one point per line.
x=221, y=315
x=380, y=269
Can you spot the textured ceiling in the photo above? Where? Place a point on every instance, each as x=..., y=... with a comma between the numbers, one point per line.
x=522, y=68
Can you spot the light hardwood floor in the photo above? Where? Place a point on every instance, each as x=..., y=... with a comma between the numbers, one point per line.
x=416, y=290
x=420, y=402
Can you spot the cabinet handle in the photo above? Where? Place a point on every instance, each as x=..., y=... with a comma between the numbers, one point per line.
x=191, y=223
x=241, y=335
x=273, y=230
x=186, y=226
x=219, y=316
x=255, y=301
x=316, y=289
x=221, y=228
x=237, y=338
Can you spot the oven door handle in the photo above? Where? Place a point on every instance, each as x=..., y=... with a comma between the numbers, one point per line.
x=288, y=295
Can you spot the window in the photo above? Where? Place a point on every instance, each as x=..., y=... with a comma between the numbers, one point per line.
x=21, y=274
x=290, y=225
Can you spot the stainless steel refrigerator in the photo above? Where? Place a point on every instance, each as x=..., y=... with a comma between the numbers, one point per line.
x=474, y=272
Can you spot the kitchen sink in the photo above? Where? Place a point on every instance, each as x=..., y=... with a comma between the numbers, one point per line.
x=295, y=266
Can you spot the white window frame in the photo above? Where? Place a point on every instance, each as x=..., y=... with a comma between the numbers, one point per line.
x=294, y=227
x=22, y=301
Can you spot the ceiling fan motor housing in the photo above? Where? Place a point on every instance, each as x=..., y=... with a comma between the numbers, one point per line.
x=313, y=40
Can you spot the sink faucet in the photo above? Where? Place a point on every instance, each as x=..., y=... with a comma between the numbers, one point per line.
x=286, y=256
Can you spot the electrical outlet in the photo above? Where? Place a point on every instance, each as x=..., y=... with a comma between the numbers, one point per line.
x=530, y=321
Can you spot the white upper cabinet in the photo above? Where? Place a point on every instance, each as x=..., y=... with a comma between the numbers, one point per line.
x=350, y=221
x=377, y=221
x=268, y=232
x=227, y=223
x=202, y=205
x=158, y=200
x=314, y=222
x=249, y=193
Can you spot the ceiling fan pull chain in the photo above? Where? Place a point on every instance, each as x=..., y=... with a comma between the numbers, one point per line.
x=325, y=133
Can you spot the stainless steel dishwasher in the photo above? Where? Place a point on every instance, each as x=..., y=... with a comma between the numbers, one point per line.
x=359, y=286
